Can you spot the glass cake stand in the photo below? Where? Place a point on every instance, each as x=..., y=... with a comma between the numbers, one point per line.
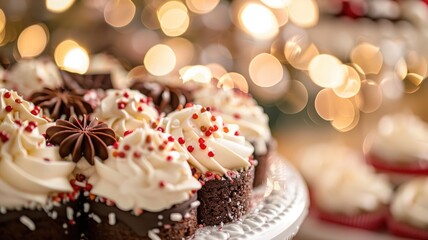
x=280, y=206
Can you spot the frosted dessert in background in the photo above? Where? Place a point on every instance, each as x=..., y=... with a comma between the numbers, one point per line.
x=151, y=185
x=399, y=147
x=240, y=108
x=125, y=110
x=221, y=159
x=409, y=210
x=344, y=190
x=30, y=75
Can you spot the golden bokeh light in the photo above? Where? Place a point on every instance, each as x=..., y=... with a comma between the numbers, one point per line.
x=416, y=63
x=2, y=20
x=173, y=18
x=233, y=80
x=265, y=70
x=217, y=70
x=347, y=118
x=297, y=54
x=401, y=68
x=351, y=85
x=119, y=13
x=327, y=71
x=76, y=60
x=62, y=49
x=58, y=6
x=295, y=98
x=412, y=82
x=32, y=41
x=368, y=57
x=183, y=50
x=277, y=3
x=370, y=97
x=202, y=6
x=258, y=21
x=304, y=13
x=160, y=60
x=197, y=73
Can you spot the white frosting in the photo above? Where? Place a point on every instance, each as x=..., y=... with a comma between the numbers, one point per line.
x=30, y=75
x=29, y=170
x=410, y=204
x=241, y=109
x=401, y=138
x=20, y=109
x=151, y=175
x=341, y=182
x=124, y=110
x=103, y=63
x=230, y=152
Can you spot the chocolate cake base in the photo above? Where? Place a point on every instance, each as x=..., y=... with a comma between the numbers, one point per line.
x=38, y=225
x=109, y=222
x=225, y=200
x=263, y=163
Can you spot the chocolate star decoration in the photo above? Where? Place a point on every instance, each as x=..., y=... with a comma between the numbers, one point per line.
x=87, y=138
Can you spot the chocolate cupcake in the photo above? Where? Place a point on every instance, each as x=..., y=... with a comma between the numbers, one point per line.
x=241, y=109
x=166, y=97
x=221, y=160
x=126, y=110
x=37, y=200
x=144, y=190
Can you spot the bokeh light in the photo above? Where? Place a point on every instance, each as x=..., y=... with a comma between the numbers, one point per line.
x=202, y=6
x=277, y=3
x=173, y=18
x=2, y=20
x=416, y=63
x=119, y=13
x=370, y=97
x=351, y=85
x=412, y=82
x=368, y=57
x=234, y=80
x=160, y=60
x=217, y=70
x=295, y=99
x=265, y=70
x=327, y=71
x=58, y=6
x=297, y=54
x=32, y=41
x=258, y=21
x=304, y=13
x=197, y=73
x=183, y=50
x=69, y=55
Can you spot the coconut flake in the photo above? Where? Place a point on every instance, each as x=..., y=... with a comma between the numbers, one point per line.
x=112, y=218
x=176, y=217
x=27, y=222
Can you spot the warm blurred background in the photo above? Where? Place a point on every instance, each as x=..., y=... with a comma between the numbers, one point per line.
x=323, y=70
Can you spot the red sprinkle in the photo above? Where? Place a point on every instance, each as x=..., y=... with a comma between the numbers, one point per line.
x=171, y=139
x=34, y=112
x=203, y=128
x=126, y=95
x=169, y=158
x=88, y=187
x=208, y=133
x=201, y=140
x=237, y=133
x=181, y=140
x=203, y=146
x=9, y=108
x=140, y=109
x=116, y=145
x=121, y=105
x=208, y=174
x=215, y=128
x=161, y=147
x=148, y=139
x=126, y=147
x=46, y=159
x=213, y=118
x=226, y=129
x=7, y=94
x=162, y=184
x=208, y=109
x=137, y=154
x=18, y=100
x=121, y=154
x=4, y=136
x=127, y=132
x=18, y=122
x=188, y=105
x=195, y=116
x=190, y=148
x=151, y=148
x=237, y=116
x=29, y=128
x=203, y=110
x=210, y=154
x=32, y=123
x=161, y=129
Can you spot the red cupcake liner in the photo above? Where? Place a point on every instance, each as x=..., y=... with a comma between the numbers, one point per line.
x=404, y=230
x=369, y=221
x=417, y=168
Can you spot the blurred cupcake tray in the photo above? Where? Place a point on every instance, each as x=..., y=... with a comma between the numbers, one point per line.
x=314, y=229
x=280, y=207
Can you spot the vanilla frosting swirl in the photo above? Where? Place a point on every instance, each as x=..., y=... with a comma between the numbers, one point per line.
x=210, y=144
x=29, y=170
x=14, y=107
x=400, y=138
x=341, y=182
x=30, y=75
x=124, y=110
x=410, y=204
x=241, y=109
x=144, y=172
